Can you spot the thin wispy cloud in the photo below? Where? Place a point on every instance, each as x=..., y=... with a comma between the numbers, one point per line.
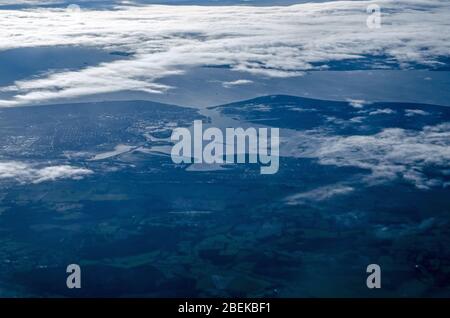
x=319, y=194
x=383, y=111
x=267, y=41
x=31, y=2
x=415, y=112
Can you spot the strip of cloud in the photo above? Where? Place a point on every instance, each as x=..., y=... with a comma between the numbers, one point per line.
x=25, y=173
x=267, y=41
x=236, y=83
x=382, y=111
x=319, y=194
x=31, y=2
x=414, y=112
x=419, y=157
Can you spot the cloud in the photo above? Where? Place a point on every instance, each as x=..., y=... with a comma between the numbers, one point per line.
x=266, y=41
x=236, y=83
x=31, y=2
x=60, y=172
x=382, y=111
x=357, y=119
x=357, y=103
x=319, y=194
x=25, y=173
x=414, y=112
x=48, y=2
x=419, y=157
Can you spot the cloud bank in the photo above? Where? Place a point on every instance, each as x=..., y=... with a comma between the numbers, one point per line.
x=267, y=41
x=25, y=173
x=419, y=157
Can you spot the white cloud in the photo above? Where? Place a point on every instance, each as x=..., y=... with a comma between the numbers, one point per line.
x=319, y=194
x=357, y=103
x=25, y=173
x=236, y=83
x=269, y=41
x=382, y=111
x=393, y=153
x=60, y=172
x=414, y=112
x=34, y=2
x=357, y=119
